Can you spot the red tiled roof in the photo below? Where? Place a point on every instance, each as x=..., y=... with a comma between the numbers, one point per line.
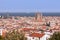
x=28, y=29
x=25, y=29
x=36, y=35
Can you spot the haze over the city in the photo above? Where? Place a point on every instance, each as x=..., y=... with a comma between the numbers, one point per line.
x=29, y=5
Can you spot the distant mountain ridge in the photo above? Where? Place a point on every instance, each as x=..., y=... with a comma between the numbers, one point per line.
x=29, y=14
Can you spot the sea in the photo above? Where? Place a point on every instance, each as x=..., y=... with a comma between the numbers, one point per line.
x=29, y=14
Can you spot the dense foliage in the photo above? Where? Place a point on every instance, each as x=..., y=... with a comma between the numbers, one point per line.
x=55, y=36
x=1, y=37
x=14, y=36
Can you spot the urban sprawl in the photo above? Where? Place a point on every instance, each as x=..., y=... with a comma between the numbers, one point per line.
x=38, y=27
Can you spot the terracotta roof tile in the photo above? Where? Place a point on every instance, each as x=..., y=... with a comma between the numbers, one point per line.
x=36, y=35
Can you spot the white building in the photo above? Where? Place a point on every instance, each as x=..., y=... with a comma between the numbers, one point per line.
x=1, y=30
x=38, y=36
x=52, y=23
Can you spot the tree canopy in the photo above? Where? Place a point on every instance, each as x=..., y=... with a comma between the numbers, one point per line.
x=55, y=36
x=14, y=35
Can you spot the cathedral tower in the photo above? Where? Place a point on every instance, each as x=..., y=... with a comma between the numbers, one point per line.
x=38, y=17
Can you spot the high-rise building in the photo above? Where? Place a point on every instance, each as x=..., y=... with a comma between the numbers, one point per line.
x=0, y=17
x=1, y=31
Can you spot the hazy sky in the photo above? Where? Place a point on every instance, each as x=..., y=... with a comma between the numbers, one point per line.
x=29, y=5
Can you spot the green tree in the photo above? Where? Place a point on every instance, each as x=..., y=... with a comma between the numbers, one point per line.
x=55, y=36
x=15, y=36
x=1, y=37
